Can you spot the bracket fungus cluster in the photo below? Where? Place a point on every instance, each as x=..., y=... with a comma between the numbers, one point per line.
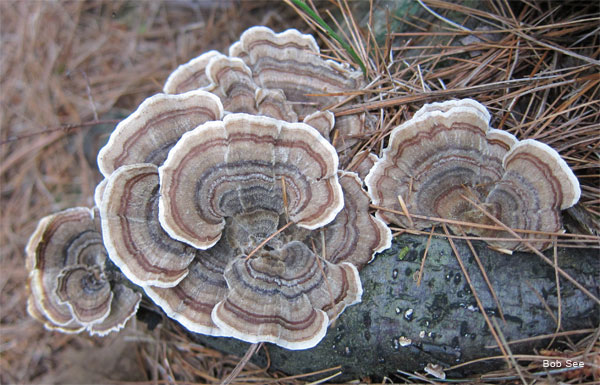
x=247, y=229
x=223, y=200
x=447, y=154
x=70, y=290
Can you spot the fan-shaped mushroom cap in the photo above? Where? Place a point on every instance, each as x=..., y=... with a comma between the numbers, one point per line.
x=354, y=236
x=279, y=296
x=540, y=166
x=440, y=151
x=323, y=121
x=69, y=291
x=290, y=61
x=536, y=184
x=231, y=80
x=190, y=76
x=34, y=310
x=132, y=234
x=444, y=107
x=223, y=169
x=260, y=40
x=61, y=240
x=448, y=150
x=147, y=135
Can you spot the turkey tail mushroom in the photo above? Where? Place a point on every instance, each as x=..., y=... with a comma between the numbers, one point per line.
x=69, y=290
x=448, y=151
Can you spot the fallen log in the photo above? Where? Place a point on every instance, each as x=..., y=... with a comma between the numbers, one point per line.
x=405, y=326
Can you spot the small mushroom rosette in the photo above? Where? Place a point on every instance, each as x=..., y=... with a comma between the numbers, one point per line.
x=448, y=154
x=70, y=290
x=279, y=75
x=246, y=229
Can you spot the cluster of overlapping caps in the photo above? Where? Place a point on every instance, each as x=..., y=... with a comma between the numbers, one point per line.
x=225, y=198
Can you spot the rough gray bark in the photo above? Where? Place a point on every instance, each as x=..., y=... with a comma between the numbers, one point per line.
x=440, y=316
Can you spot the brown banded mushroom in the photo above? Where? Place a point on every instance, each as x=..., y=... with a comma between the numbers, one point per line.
x=291, y=61
x=537, y=183
x=354, y=236
x=235, y=166
x=282, y=296
x=190, y=76
x=69, y=289
x=447, y=152
x=135, y=241
x=147, y=135
x=231, y=80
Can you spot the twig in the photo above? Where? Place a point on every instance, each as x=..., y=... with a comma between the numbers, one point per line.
x=425, y=255
x=510, y=354
x=405, y=211
x=558, y=292
x=485, y=276
x=64, y=127
x=238, y=368
x=264, y=242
